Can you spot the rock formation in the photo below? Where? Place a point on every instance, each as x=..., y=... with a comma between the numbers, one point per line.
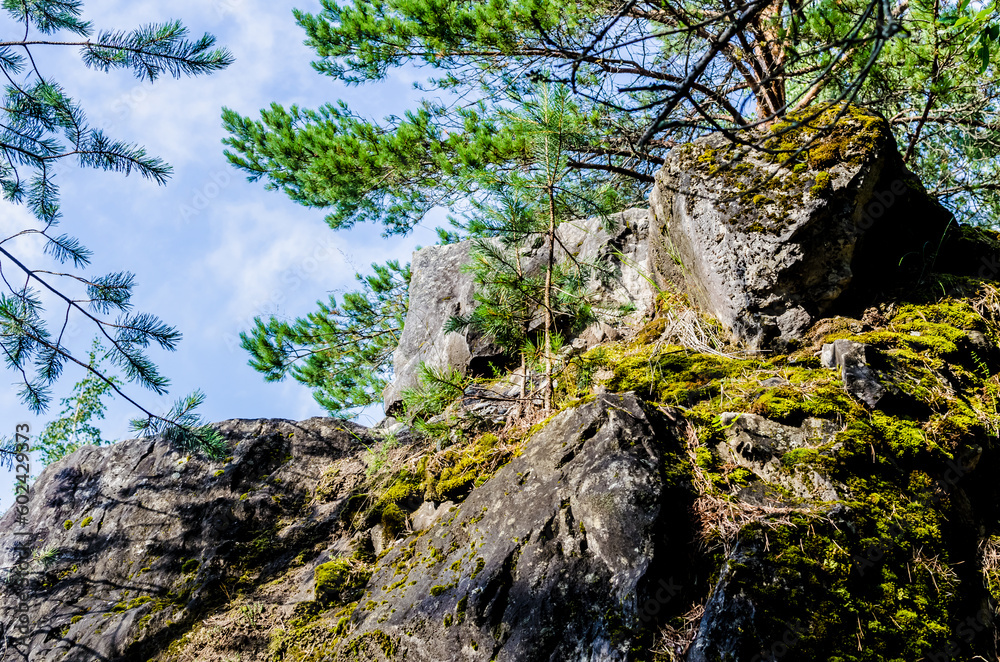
x=833, y=499
x=143, y=538
x=565, y=578
x=767, y=242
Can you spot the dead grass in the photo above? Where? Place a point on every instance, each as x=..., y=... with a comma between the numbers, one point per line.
x=688, y=328
x=987, y=303
x=672, y=642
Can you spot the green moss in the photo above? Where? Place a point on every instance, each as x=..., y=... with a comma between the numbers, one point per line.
x=652, y=331
x=86, y=521
x=740, y=477
x=258, y=552
x=309, y=638
x=468, y=466
x=404, y=485
x=131, y=604
x=435, y=555
x=340, y=580
x=674, y=375
x=438, y=590
x=855, y=138
x=937, y=330
x=824, y=183
x=393, y=522
x=870, y=585
x=219, y=472
x=792, y=404
x=797, y=456
x=756, y=198
x=190, y=566
x=366, y=646
x=305, y=612
x=68, y=524
x=888, y=440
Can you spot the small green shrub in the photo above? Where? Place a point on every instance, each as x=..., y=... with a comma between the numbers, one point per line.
x=250, y=614
x=377, y=456
x=438, y=388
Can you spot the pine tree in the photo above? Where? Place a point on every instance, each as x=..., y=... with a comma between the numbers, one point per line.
x=507, y=296
x=183, y=427
x=343, y=352
x=533, y=198
x=74, y=428
x=651, y=75
x=41, y=127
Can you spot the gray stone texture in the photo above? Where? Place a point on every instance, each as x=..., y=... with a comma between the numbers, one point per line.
x=546, y=561
x=767, y=248
x=124, y=519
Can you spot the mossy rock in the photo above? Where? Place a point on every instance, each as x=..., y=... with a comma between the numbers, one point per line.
x=306, y=612
x=338, y=580
x=393, y=522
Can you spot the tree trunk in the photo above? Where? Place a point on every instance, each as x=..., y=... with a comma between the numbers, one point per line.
x=524, y=360
x=547, y=393
x=769, y=52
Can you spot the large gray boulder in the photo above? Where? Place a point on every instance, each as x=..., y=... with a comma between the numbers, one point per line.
x=440, y=289
x=554, y=558
x=129, y=544
x=766, y=244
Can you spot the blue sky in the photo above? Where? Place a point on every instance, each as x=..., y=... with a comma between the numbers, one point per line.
x=209, y=250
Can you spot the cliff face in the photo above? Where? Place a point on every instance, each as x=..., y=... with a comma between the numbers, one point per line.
x=833, y=498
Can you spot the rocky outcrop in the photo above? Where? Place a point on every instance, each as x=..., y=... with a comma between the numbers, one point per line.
x=132, y=544
x=767, y=242
x=553, y=559
x=439, y=290
x=762, y=520
x=138, y=546
x=832, y=499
